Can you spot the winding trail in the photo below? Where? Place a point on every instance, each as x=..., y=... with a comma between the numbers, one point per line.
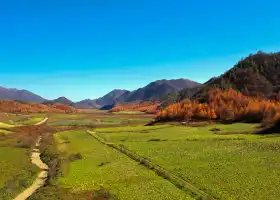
x=42, y=122
x=42, y=176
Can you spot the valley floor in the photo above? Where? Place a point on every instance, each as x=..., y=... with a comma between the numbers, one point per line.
x=123, y=159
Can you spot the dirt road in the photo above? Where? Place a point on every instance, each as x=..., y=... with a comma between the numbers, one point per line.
x=42, y=176
x=43, y=121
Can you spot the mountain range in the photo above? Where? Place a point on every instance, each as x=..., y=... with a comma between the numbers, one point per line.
x=257, y=74
x=152, y=91
x=20, y=95
x=108, y=99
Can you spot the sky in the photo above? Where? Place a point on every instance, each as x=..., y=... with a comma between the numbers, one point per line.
x=84, y=49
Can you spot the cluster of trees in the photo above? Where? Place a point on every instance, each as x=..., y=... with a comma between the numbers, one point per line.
x=254, y=75
x=21, y=107
x=225, y=105
x=143, y=106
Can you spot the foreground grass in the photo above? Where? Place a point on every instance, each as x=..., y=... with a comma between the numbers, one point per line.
x=4, y=125
x=227, y=164
x=16, y=171
x=102, y=166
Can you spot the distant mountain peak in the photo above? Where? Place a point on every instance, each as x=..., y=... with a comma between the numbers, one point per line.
x=61, y=100
x=20, y=95
x=157, y=89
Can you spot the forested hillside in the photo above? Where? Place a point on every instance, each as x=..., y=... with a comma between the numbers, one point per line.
x=21, y=107
x=258, y=74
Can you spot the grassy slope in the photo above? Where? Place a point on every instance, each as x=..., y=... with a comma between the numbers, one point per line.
x=234, y=166
x=119, y=174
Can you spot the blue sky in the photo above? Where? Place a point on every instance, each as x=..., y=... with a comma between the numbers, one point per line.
x=84, y=49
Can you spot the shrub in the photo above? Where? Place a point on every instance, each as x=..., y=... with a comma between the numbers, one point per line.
x=74, y=157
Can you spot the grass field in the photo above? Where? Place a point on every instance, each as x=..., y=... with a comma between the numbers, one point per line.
x=11, y=120
x=227, y=164
x=129, y=112
x=31, y=121
x=4, y=132
x=171, y=132
x=102, y=166
x=224, y=161
x=4, y=125
x=96, y=122
x=16, y=170
x=97, y=119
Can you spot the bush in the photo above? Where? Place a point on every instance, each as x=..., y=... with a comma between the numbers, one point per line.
x=75, y=156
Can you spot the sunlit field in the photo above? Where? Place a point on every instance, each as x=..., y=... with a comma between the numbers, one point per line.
x=227, y=164
x=16, y=171
x=100, y=165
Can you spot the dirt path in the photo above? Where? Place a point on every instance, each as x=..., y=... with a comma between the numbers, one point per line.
x=42, y=176
x=43, y=121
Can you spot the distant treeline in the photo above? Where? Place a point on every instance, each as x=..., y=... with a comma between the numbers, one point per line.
x=11, y=106
x=143, y=106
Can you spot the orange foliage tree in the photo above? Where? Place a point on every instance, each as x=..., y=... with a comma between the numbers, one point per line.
x=18, y=107
x=229, y=105
x=143, y=106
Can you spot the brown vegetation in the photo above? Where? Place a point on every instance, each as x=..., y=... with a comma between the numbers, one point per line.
x=229, y=106
x=11, y=106
x=143, y=106
x=27, y=135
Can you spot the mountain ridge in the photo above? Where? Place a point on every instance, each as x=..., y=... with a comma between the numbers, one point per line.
x=152, y=91
x=257, y=74
x=157, y=89
x=107, y=99
x=61, y=100
x=19, y=95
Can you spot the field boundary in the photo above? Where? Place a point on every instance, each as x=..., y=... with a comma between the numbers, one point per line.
x=174, y=179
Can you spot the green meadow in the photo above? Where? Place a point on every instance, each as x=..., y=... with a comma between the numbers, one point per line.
x=16, y=171
x=225, y=161
x=227, y=164
x=102, y=166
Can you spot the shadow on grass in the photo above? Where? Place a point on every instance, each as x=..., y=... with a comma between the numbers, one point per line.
x=274, y=129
